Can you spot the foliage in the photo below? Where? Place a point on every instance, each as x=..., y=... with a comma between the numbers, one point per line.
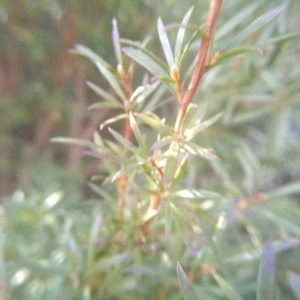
x=202, y=196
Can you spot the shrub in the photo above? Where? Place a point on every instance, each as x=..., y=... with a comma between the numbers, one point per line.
x=190, y=206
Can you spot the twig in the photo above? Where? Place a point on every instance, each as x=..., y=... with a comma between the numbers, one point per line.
x=201, y=62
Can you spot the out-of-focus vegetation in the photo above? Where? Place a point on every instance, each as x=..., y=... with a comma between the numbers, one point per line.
x=60, y=240
x=42, y=86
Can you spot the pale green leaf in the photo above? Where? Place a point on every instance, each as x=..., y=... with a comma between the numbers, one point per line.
x=190, y=133
x=294, y=280
x=230, y=292
x=266, y=282
x=88, y=53
x=108, y=97
x=146, y=61
x=180, y=35
x=162, y=33
x=255, y=25
x=127, y=144
x=137, y=133
x=186, y=287
x=112, y=80
x=116, y=41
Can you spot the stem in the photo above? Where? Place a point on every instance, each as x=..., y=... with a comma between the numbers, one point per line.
x=201, y=62
x=127, y=80
x=187, y=98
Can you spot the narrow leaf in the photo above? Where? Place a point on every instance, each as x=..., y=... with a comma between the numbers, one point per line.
x=230, y=292
x=191, y=111
x=193, y=194
x=181, y=170
x=116, y=41
x=168, y=224
x=294, y=280
x=155, y=122
x=283, y=38
x=141, y=47
x=180, y=35
x=100, y=191
x=194, y=149
x=235, y=52
x=98, y=90
x=127, y=144
x=137, y=133
x=112, y=120
x=186, y=287
x=112, y=262
x=285, y=190
x=73, y=141
x=235, y=20
x=170, y=164
x=146, y=61
x=112, y=80
x=88, y=53
x=190, y=133
x=254, y=26
x=124, y=171
x=165, y=42
x=188, y=46
x=266, y=282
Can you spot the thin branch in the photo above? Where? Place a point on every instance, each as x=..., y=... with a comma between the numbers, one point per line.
x=201, y=62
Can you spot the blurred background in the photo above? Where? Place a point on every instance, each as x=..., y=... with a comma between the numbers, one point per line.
x=43, y=94
x=43, y=86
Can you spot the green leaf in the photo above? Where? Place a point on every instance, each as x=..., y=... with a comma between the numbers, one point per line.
x=285, y=190
x=188, y=46
x=191, y=111
x=88, y=53
x=98, y=90
x=294, y=281
x=235, y=52
x=100, y=191
x=266, y=282
x=235, y=20
x=251, y=115
x=254, y=26
x=142, y=92
x=194, y=149
x=146, y=61
x=103, y=104
x=162, y=33
x=170, y=164
x=73, y=141
x=190, y=133
x=112, y=80
x=155, y=58
x=156, y=99
x=137, y=133
x=230, y=292
x=116, y=41
x=112, y=120
x=180, y=35
x=164, y=142
x=193, y=194
x=111, y=262
x=283, y=38
x=127, y=144
x=2, y=260
x=186, y=287
x=168, y=224
x=125, y=170
x=94, y=234
x=181, y=170
x=155, y=122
